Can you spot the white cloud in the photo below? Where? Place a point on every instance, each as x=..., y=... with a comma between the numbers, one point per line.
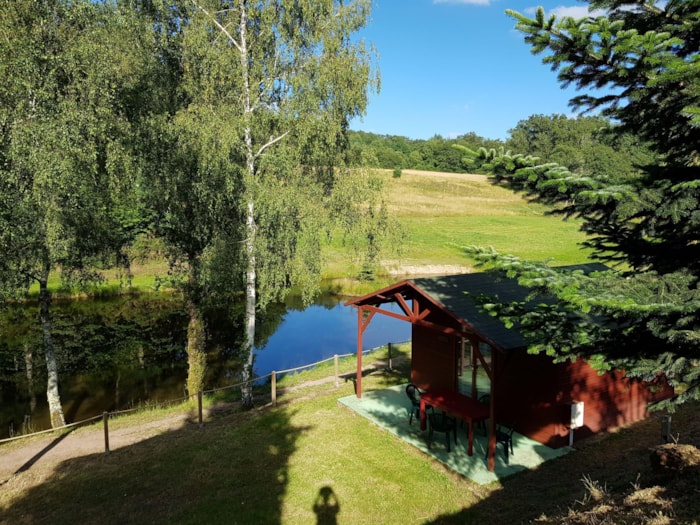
x=575, y=11
x=463, y=2
x=571, y=11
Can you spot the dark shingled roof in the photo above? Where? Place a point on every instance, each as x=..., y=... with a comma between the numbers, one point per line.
x=450, y=290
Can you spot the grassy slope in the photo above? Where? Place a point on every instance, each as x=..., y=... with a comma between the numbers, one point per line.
x=269, y=465
x=442, y=211
x=439, y=209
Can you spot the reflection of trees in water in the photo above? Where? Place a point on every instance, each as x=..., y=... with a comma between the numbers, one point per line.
x=326, y=507
x=112, y=354
x=226, y=339
x=115, y=353
x=326, y=299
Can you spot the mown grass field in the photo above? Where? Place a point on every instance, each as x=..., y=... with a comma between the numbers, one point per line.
x=443, y=209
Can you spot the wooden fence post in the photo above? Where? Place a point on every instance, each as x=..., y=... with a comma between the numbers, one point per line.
x=199, y=408
x=105, y=420
x=273, y=387
x=335, y=367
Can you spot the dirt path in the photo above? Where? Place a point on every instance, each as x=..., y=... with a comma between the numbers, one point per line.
x=447, y=175
x=42, y=453
x=425, y=270
x=45, y=452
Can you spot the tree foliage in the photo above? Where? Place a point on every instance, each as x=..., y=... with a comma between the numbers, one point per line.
x=65, y=147
x=391, y=151
x=642, y=316
x=71, y=87
x=584, y=145
x=269, y=88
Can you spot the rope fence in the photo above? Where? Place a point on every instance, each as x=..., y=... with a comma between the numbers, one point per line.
x=272, y=377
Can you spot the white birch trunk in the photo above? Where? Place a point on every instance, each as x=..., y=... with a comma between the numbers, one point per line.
x=29, y=368
x=251, y=277
x=250, y=303
x=52, y=394
x=252, y=152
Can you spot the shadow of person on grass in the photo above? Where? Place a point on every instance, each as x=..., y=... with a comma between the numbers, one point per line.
x=326, y=507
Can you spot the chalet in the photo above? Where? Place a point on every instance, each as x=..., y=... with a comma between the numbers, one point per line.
x=545, y=400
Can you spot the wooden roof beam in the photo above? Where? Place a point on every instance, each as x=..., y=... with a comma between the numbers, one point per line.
x=377, y=310
x=401, y=301
x=366, y=320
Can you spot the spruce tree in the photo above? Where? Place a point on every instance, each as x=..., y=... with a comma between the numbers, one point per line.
x=638, y=65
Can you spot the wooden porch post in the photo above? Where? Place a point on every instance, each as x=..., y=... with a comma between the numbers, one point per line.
x=360, y=330
x=491, y=371
x=492, y=416
x=475, y=365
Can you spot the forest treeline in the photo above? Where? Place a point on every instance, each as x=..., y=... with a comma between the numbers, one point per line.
x=583, y=144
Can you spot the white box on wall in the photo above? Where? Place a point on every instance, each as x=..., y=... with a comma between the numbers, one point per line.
x=577, y=414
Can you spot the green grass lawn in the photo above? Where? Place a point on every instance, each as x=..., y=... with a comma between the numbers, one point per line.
x=271, y=464
x=440, y=211
x=534, y=237
x=268, y=465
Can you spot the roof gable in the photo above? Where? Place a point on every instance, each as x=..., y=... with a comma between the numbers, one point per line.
x=454, y=295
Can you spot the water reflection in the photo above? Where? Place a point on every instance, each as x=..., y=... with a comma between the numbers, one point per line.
x=118, y=353
x=319, y=332
x=112, y=354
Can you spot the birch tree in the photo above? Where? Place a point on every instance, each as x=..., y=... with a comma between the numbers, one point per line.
x=278, y=81
x=68, y=81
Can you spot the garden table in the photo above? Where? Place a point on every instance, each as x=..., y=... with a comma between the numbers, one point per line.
x=458, y=405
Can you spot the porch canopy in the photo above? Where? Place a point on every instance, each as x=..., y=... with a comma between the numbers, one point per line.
x=445, y=306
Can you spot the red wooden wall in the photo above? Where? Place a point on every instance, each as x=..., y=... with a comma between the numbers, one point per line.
x=434, y=359
x=536, y=394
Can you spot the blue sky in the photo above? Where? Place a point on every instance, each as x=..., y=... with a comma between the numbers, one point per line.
x=450, y=67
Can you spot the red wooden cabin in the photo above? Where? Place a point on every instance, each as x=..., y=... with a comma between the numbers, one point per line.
x=449, y=332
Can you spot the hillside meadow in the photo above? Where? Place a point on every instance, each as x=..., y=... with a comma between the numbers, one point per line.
x=440, y=212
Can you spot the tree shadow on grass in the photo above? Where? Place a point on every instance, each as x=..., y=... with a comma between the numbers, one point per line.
x=618, y=461
x=234, y=470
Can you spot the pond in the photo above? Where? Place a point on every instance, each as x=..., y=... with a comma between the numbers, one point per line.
x=130, y=351
x=319, y=331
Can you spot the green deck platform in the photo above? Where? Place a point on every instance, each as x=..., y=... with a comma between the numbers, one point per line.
x=390, y=409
